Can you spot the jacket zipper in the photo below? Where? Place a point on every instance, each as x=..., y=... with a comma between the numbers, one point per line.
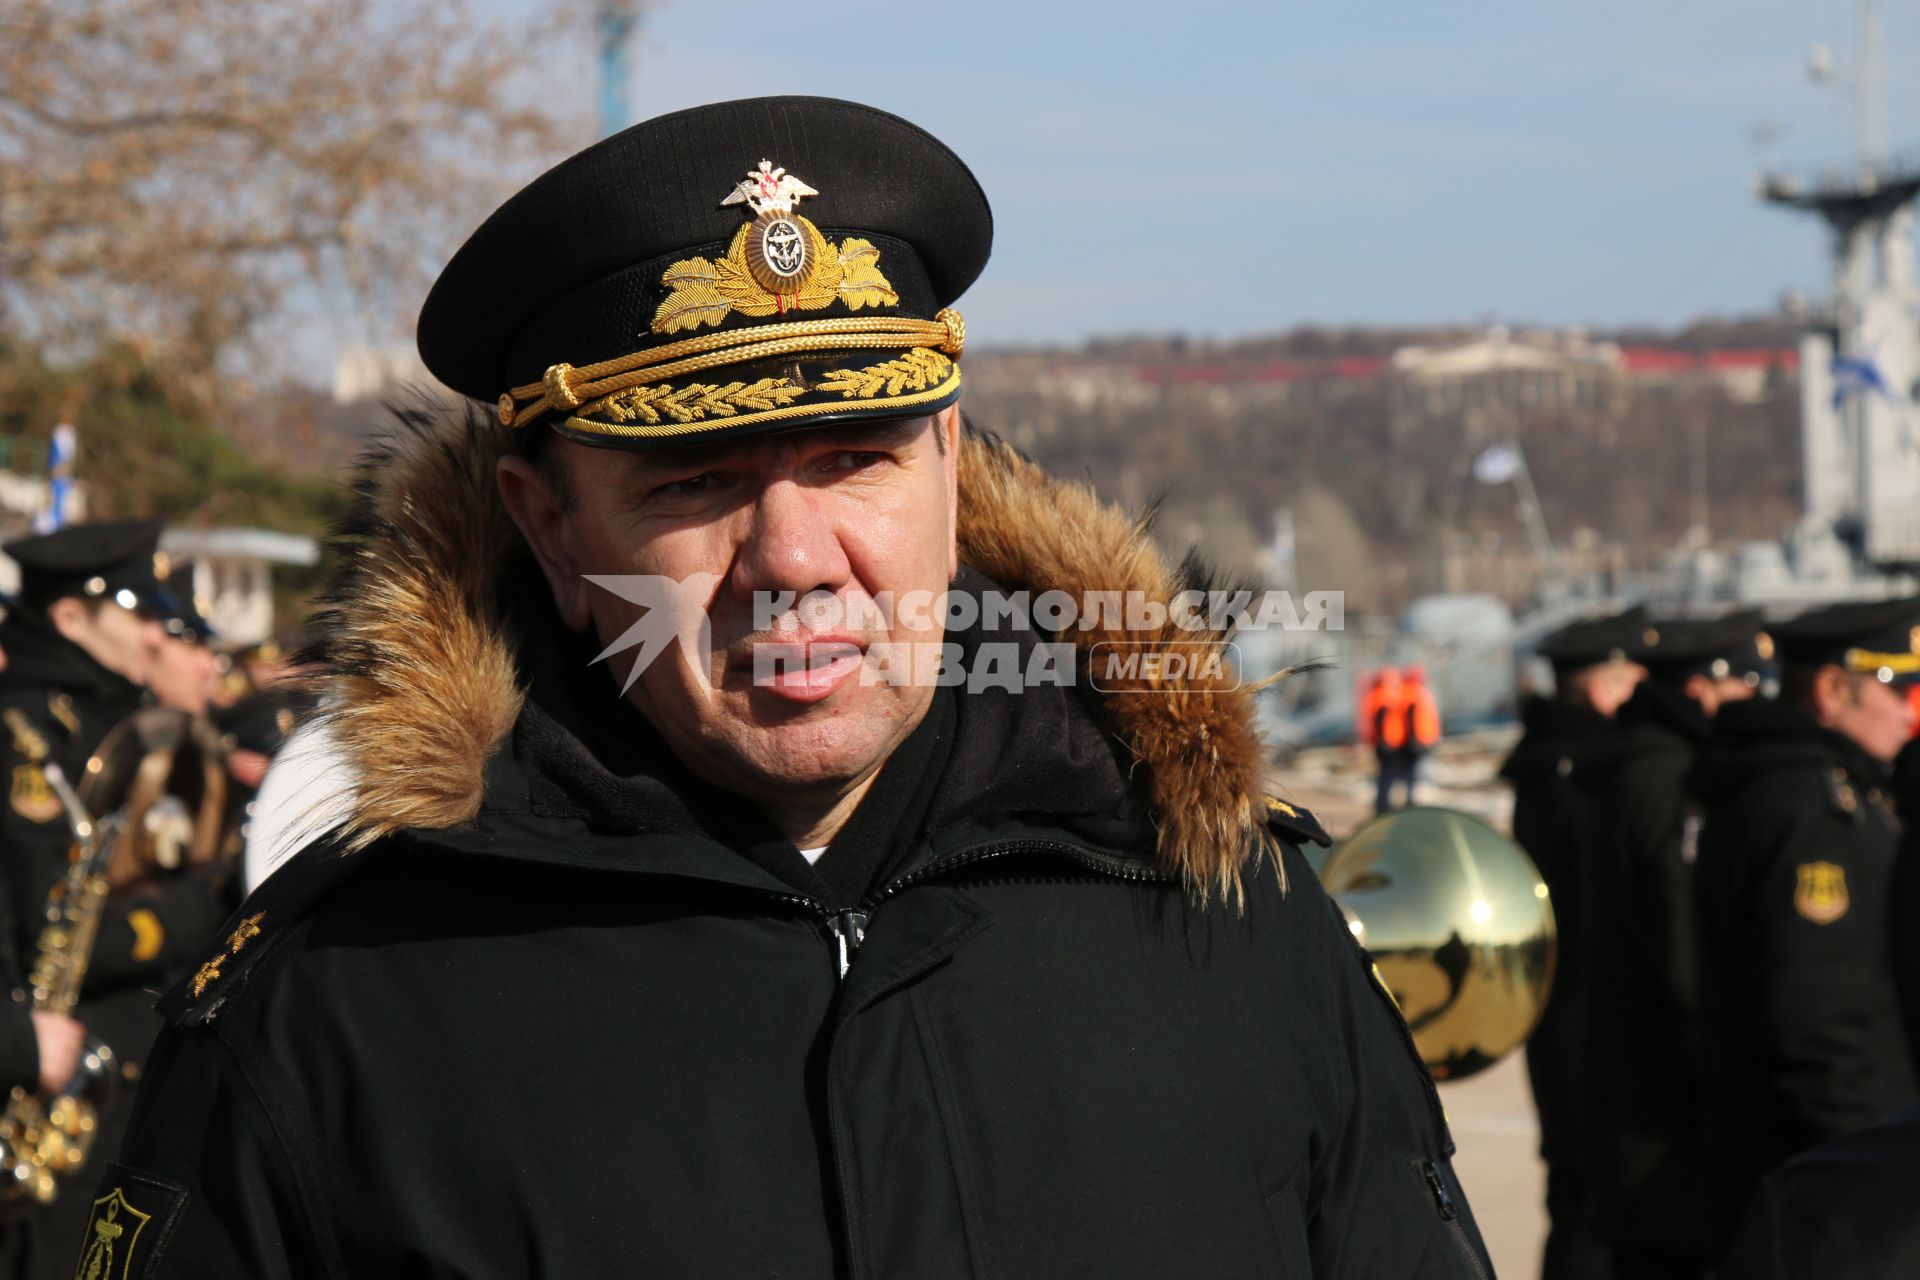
x=1117, y=868
x=1450, y=1214
x=849, y=928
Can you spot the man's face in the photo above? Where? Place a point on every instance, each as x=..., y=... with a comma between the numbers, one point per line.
x=1712, y=693
x=117, y=638
x=1606, y=686
x=841, y=511
x=181, y=674
x=1876, y=716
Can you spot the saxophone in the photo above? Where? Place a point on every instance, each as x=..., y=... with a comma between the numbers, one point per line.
x=44, y=1137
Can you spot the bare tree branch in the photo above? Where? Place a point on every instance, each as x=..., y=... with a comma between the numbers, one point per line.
x=172, y=170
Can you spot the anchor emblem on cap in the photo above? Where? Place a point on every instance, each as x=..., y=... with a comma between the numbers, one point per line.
x=779, y=252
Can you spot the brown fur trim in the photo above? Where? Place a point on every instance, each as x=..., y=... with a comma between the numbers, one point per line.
x=1195, y=737
x=420, y=686
x=420, y=677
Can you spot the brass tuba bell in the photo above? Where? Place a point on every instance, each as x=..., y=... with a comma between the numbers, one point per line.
x=165, y=772
x=1458, y=920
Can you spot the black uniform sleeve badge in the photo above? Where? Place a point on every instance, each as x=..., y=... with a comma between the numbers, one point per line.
x=1820, y=894
x=32, y=798
x=129, y=1226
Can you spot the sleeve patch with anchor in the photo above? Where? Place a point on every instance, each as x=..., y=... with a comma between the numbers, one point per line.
x=1820, y=892
x=32, y=797
x=129, y=1226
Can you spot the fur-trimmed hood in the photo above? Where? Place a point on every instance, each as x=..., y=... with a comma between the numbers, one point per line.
x=419, y=676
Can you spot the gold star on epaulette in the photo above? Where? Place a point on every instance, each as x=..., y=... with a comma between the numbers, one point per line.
x=249, y=928
x=1841, y=789
x=60, y=706
x=210, y=971
x=1294, y=822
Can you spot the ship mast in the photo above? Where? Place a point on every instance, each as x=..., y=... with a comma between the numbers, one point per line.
x=614, y=20
x=1859, y=370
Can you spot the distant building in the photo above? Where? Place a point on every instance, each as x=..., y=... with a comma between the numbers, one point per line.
x=1524, y=371
x=368, y=373
x=229, y=573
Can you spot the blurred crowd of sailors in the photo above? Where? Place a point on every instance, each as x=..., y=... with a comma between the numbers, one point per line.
x=96, y=636
x=1724, y=814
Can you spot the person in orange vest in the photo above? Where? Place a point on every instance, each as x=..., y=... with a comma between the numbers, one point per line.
x=1423, y=719
x=1366, y=700
x=1411, y=727
x=1400, y=721
x=1383, y=729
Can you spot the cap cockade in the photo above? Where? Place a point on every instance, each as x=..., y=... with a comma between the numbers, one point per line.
x=781, y=251
x=643, y=308
x=1878, y=638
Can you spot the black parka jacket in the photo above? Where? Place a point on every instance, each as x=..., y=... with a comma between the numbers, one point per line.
x=1556, y=769
x=1850, y=1207
x=1643, y=1027
x=1904, y=910
x=1799, y=1012
x=1565, y=754
x=19, y=1048
x=576, y=1034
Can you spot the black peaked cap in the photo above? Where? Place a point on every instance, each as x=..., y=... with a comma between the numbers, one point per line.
x=93, y=559
x=1878, y=637
x=1733, y=645
x=1590, y=641
x=183, y=621
x=569, y=270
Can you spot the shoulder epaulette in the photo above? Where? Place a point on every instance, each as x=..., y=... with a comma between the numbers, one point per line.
x=1843, y=797
x=266, y=918
x=60, y=707
x=1292, y=822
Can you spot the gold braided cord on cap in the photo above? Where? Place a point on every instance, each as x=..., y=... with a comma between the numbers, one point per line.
x=565, y=387
x=890, y=379
x=1901, y=664
x=708, y=408
x=696, y=400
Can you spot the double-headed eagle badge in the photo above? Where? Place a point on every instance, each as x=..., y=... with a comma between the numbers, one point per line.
x=777, y=249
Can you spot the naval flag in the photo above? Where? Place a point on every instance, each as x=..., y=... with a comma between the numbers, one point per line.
x=1855, y=375
x=1496, y=464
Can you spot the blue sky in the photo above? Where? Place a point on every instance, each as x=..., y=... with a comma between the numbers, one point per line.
x=1262, y=166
